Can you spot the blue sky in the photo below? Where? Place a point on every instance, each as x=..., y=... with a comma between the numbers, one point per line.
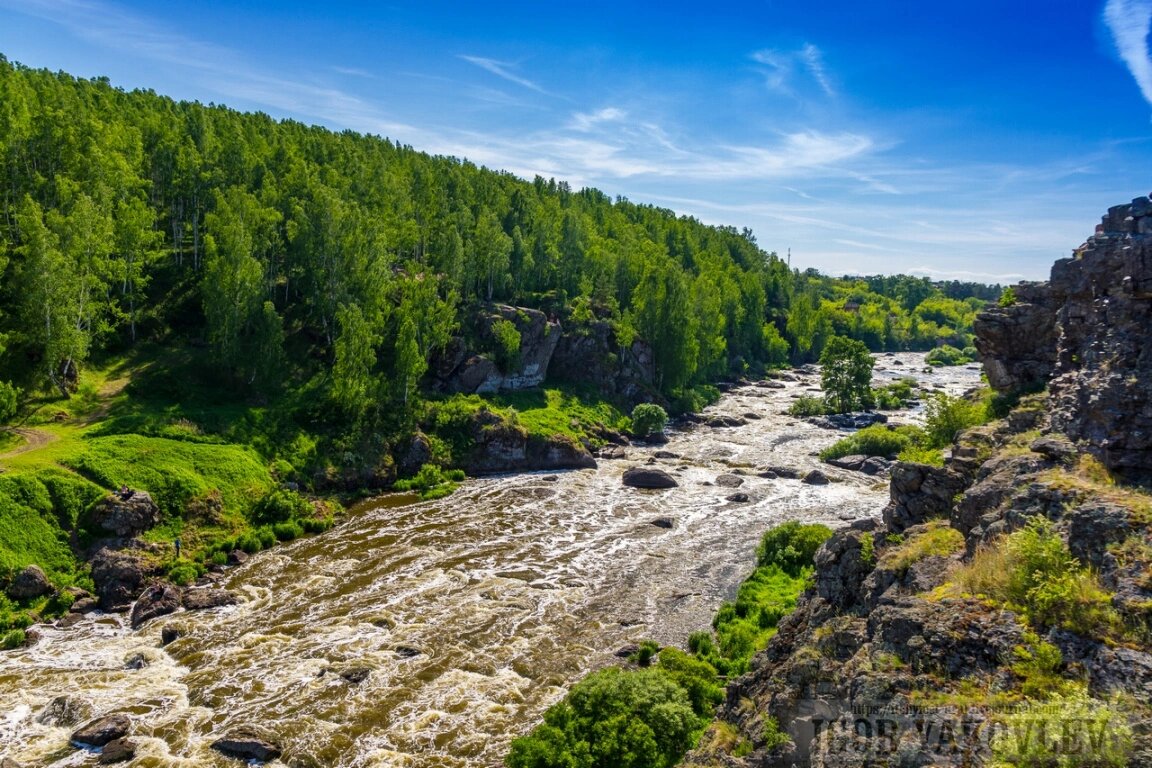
x=978, y=140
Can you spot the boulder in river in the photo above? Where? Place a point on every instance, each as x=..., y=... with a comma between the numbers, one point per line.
x=200, y=599
x=729, y=481
x=158, y=600
x=662, y=522
x=815, y=477
x=119, y=574
x=648, y=477
x=64, y=712
x=852, y=462
x=169, y=634
x=118, y=751
x=98, y=732
x=246, y=743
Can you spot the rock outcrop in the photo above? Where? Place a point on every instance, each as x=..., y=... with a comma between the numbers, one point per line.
x=501, y=446
x=120, y=575
x=898, y=634
x=1084, y=334
x=247, y=743
x=593, y=355
x=460, y=370
x=102, y=730
x=126, y=514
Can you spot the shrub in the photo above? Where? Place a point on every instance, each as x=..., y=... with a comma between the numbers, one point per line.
x=648, y=419
x=643, y=655
x=430, y=482
x=12, y=639
x=1007, y=297
x=250, y=543
x=939, y=538
x=950, y=355
x=792, y=546
x=876, y=440
x=266, y=536
x=280, y=506
x=640, y=719
x=1032, y=571
x=946, y=416
x=184, y=572
x=287, y=531
x=808, y=405
x=316, y=524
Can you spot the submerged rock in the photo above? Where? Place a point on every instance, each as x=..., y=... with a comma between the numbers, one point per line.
x=200, y=599
x=118, y=751
x=102, y=730
x=246, y=743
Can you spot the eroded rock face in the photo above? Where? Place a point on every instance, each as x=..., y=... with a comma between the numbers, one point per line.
x=126, y=514
x=460, y=371
x=119, y=575
x=1085, y=334
x=1017, y=343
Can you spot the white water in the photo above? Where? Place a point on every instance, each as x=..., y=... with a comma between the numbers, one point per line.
x=511, y=590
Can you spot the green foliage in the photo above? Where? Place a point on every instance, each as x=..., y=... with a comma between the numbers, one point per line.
x=946, y=416
x=846, y=374
x=1008, y=297
x=772, y=735
x=948, y=355
x=506, y=343
x=287, y=531
x=280, y=506
x=792, y=546
x=896, y=395
x=1032, y=571
x=938, y=538
x=1038, y=664
x=645, y=653
x=431, y=482
x=874, y=440
x=648, y=419
x=13, y=638
x=184, y=572
x=9, y=399
x=809, y=405
x=641, y=719
x=174, y=471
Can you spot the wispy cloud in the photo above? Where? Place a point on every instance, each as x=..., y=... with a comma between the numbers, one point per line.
x=586, y=121
x=504, y=70
x=783, y=71
x=1130, y=21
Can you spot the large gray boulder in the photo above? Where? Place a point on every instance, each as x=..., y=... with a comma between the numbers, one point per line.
x=158, y=600
x=126, y=514
x=30, y=583
x=648, y=477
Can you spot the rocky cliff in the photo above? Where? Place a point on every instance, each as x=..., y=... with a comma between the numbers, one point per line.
x=589, y=354
x=1084, y=334
x=1001, y=608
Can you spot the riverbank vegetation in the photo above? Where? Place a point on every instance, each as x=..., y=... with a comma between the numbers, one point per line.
x=650, y=715
x=210, y=305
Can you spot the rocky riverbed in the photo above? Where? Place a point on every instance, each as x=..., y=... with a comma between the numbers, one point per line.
x=431, y=634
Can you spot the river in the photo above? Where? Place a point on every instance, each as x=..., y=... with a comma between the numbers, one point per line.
x=472, y=614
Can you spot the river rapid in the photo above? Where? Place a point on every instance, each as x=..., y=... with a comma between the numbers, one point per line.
x=472, y=614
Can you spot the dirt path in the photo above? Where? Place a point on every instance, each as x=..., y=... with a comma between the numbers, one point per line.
x=37, y=438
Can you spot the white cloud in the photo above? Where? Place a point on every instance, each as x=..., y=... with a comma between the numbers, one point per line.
x=1129, y=22
x=504, y=70
x=784, y=71
x=586, y=121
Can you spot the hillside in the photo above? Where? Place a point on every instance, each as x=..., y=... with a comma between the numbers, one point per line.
x=230, y=313
x=1001, y=611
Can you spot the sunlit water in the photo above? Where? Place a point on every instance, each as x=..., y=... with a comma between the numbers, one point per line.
x=473, y=613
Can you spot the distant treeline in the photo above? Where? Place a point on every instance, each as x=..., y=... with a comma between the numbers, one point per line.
x=290, y=254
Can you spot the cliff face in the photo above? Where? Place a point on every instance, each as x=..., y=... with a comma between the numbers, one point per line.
x=1085, y=333
x=903, y=652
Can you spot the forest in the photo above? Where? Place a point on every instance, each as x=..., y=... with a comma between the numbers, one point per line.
x=291, y=255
